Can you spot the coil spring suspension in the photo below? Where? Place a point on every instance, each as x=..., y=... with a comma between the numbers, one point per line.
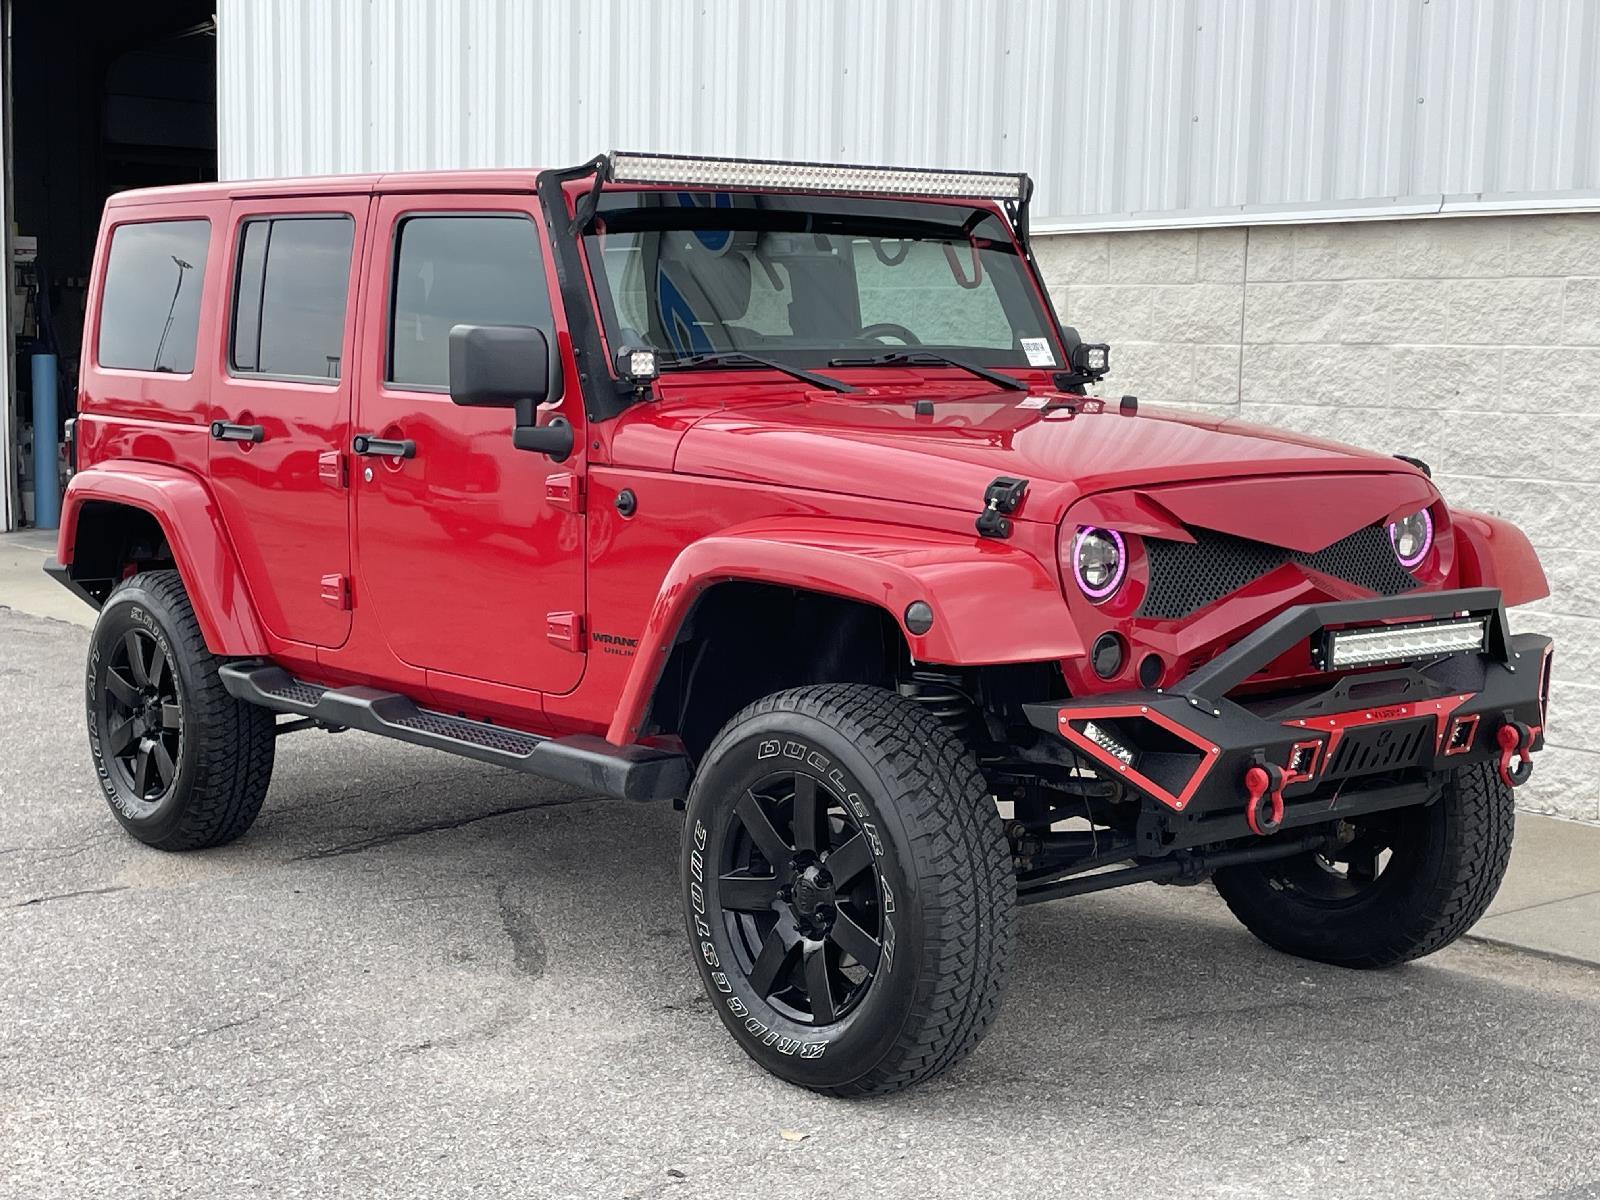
x=943, y=693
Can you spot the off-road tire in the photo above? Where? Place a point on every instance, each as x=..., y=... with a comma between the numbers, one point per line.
x=942, y=868
x=1443, y=875
x=225, y=746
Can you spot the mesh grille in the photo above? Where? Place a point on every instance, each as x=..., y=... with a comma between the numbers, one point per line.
x=1185, y=577
x=507, y=741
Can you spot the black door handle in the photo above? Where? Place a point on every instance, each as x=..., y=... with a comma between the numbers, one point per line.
x=377, y=447
x=224, y=431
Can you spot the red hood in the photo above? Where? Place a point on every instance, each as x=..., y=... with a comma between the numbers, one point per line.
x=882, y=450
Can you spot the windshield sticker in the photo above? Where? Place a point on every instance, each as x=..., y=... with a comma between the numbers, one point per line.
x=1038, y=352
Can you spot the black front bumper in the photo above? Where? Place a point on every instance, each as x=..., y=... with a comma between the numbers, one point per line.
x=1367, y=741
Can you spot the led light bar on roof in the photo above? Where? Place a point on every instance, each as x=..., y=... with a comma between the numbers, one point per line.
x=684, y=171
x=1400, y=643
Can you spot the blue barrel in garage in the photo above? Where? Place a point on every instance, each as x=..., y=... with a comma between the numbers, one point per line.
x=46, y=444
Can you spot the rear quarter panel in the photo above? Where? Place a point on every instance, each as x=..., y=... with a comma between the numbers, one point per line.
x=143, y=437
x=147, y=415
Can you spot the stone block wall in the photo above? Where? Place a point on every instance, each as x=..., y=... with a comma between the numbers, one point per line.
x=1471, y=342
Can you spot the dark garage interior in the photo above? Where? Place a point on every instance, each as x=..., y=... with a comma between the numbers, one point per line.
x=101, y=97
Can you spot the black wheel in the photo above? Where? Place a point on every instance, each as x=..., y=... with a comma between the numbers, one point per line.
x=182, y=763
x=849, y=889
x=1402, y=884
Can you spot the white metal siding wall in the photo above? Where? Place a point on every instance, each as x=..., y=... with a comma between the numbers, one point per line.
x=1121, y=109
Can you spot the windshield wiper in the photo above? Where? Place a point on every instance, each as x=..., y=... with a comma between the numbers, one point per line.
x=927, y=358
x=736, y=357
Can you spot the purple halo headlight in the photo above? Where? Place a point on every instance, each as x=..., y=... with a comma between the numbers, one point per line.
x=1412, y=538
x=1099, y=561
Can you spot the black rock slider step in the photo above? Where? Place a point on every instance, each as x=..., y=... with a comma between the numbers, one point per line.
x=585, y=761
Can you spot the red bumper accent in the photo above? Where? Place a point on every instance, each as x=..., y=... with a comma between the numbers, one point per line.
x=1176, y=796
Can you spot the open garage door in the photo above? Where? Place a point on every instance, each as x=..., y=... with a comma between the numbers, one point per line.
x=100, y=96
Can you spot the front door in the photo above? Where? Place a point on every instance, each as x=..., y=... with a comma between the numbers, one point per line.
x=280, y=409
x=461, y=557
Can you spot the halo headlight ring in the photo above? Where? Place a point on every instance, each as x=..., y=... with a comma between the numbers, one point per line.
x=1099, y=561
x=1412, y=538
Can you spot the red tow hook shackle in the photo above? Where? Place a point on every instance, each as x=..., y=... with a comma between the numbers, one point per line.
x=1263, y=805
x=1514, y=739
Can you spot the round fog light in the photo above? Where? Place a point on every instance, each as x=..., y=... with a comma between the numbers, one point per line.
x=1150, y=668
x=1107, y=655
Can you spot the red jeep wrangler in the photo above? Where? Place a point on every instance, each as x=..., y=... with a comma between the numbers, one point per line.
x=773, y=490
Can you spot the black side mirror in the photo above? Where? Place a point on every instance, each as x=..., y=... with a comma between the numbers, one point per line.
x=508, y=366
x=498, y=366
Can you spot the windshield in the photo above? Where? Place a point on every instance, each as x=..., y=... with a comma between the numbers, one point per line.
x=805, y=279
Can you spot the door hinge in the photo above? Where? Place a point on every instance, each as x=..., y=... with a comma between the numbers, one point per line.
x=331, y=469
x=564, y=490
x=336, y=591
x=565, y=629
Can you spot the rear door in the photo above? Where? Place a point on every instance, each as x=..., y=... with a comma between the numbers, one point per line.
x=465, y=558
x=280, y=410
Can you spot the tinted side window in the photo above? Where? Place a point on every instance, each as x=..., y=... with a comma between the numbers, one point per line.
x=289, y=304
x=247, y=296
x=150, y=306
x=460, y=270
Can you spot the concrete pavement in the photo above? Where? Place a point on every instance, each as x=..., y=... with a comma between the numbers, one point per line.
x=417, y=976
x=25, y=587
x=1550, y=900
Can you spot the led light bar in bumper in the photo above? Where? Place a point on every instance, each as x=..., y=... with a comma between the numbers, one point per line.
x=1401, y=643
x=685, y=171
x=1108, y=743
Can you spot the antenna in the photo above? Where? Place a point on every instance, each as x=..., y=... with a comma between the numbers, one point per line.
x=155, y=363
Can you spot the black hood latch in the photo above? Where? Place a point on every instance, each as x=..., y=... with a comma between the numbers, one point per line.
x=1000, y=498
